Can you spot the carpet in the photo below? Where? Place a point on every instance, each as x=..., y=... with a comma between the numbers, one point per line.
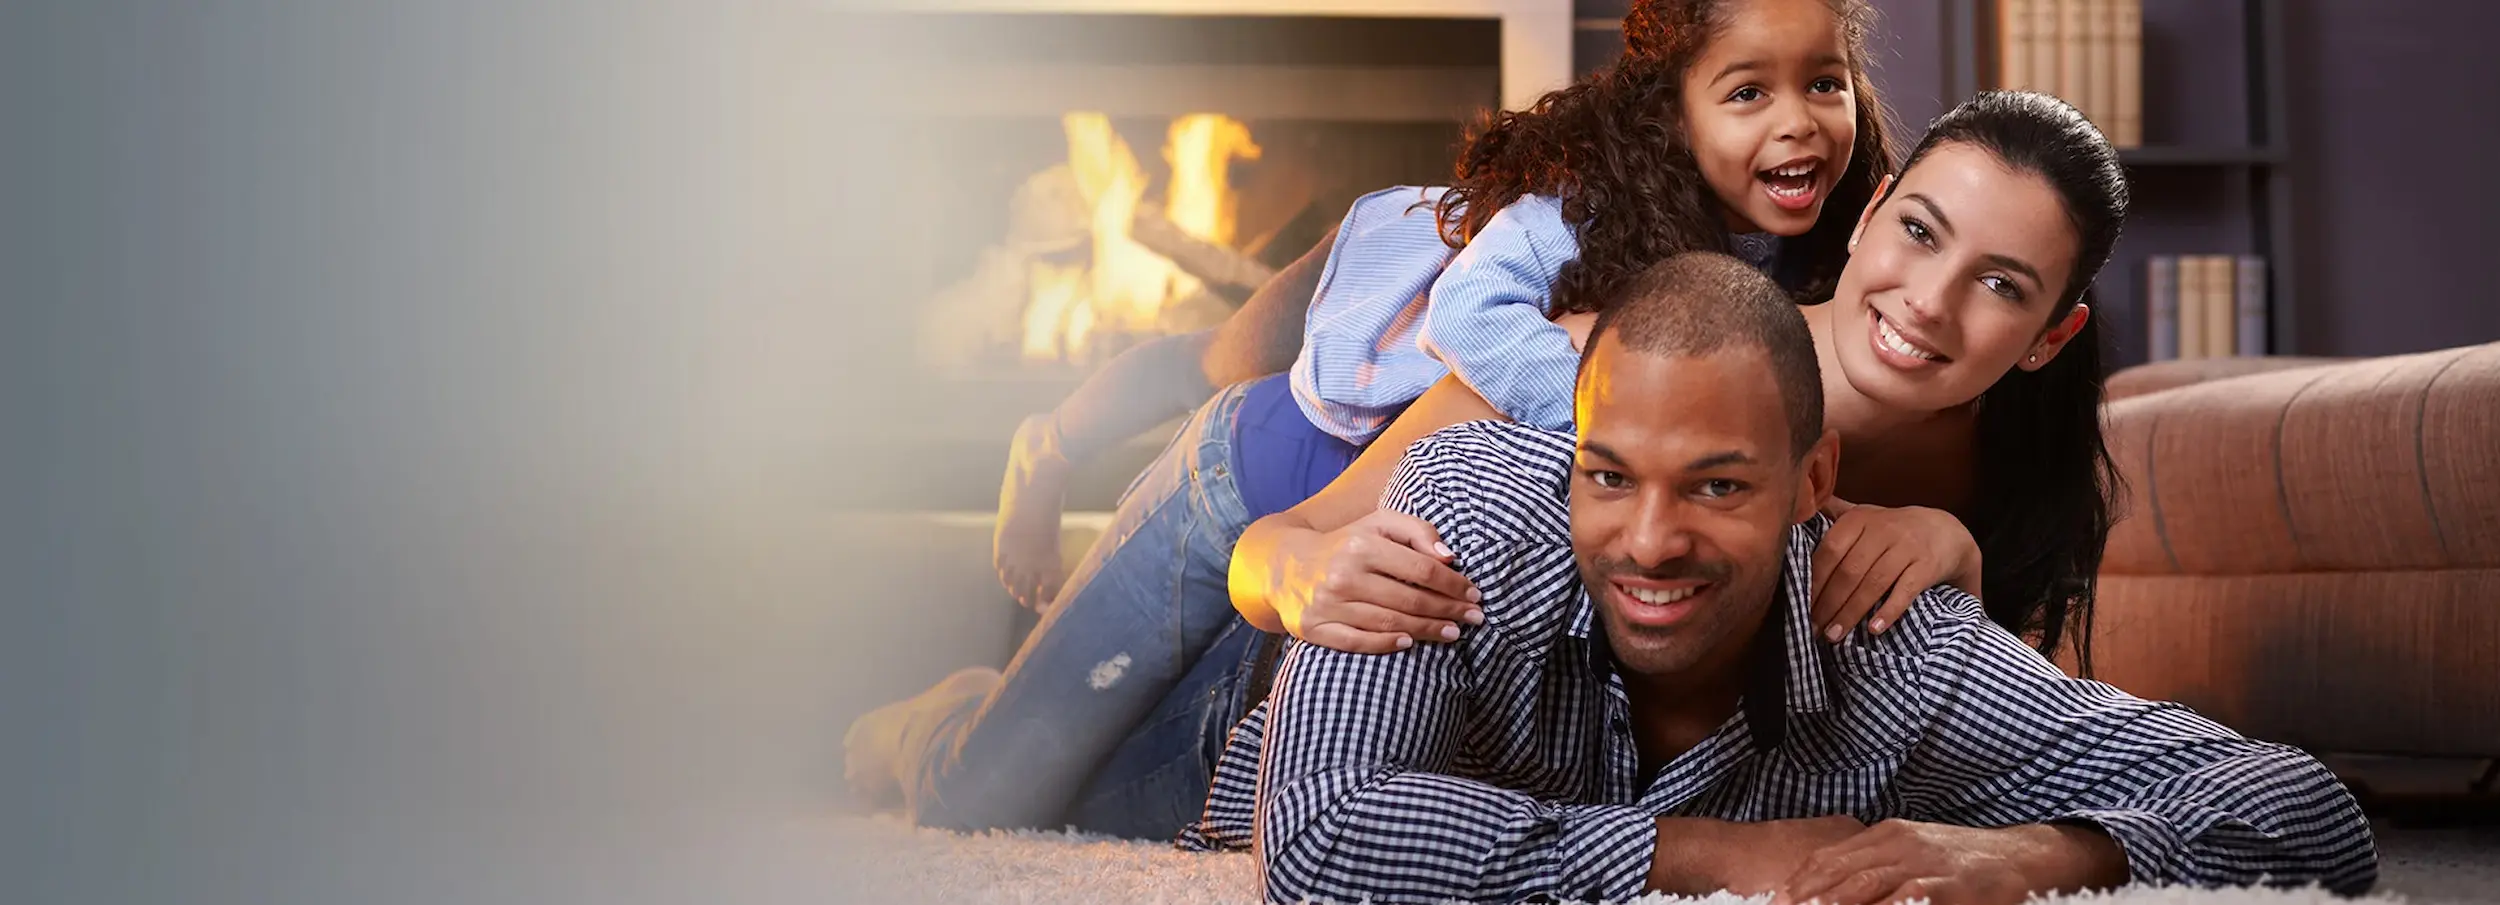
x=899, y=863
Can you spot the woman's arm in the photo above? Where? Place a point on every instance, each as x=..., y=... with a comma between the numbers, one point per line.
x=1337, y=561
x=1387, y=572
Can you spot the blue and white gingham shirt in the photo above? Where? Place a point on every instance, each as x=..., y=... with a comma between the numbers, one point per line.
x=1397, y=309
x=1502, y=766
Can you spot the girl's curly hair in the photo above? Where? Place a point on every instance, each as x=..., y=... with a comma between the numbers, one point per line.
x=1612, y=147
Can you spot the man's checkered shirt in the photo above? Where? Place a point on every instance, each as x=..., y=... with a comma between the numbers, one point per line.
x=1502, y=766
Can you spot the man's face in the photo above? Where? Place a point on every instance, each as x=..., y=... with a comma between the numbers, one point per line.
x=1681, y=501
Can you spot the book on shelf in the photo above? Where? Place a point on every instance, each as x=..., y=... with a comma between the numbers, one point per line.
x=2220, y=309
x=2204, y=306
x=2088, y=52
x=2100, y=93
x=2191, y=305
x=2127, y=80
x=2249, y=296
x=2014, y=45
x=2044, y=63
x=2161, y=307
x=2074, y=54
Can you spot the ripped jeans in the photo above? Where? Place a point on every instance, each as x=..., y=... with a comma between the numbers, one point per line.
x=1111, y=716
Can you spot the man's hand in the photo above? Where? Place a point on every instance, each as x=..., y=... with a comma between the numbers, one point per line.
x=1380, y=585
x=1886, y=555
x=1899, y=860
x=1698, y=856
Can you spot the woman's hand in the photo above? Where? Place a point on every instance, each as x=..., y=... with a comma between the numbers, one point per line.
x=1883, y=555
x=1378, y=585
x=1025, y=548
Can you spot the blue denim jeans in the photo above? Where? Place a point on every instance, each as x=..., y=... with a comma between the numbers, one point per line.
x=1110, y=716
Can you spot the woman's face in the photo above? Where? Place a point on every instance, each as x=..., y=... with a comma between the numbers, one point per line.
x=1951, y=282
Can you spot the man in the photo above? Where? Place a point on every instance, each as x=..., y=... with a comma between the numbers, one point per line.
x=1660, y=717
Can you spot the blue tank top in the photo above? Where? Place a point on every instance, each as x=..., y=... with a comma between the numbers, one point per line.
x=1279, y=457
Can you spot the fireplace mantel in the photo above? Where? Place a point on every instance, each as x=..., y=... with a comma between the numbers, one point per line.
x=1535, y=42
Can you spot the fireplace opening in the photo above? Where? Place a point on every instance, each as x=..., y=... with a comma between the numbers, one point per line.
x=1095, y=181
x=1108, y=231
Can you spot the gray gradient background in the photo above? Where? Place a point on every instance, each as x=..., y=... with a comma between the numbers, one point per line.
x=416, y=422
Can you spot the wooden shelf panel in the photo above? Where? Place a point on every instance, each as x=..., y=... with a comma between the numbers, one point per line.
x=2188, y=155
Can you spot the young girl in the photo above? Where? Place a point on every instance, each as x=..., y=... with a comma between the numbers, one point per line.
x=1730, y=126
x=1731, y=118
x=1429, y=281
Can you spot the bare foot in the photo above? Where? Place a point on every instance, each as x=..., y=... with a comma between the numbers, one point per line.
x=873, y=747
x=1025, y=548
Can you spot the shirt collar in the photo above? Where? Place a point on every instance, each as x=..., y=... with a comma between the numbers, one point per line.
x=1757, y=249
x=1804, y=681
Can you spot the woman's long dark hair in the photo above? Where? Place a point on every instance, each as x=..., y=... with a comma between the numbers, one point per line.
x=1613, y=148
x=2046, y=490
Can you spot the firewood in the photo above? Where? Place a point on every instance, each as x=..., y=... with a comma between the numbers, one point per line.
x=1208, y=261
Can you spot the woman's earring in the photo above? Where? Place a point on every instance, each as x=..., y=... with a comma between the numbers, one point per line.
x=2035, y=358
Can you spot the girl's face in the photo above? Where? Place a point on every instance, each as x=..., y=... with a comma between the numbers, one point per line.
x=1951, y=282
x=1770, y=114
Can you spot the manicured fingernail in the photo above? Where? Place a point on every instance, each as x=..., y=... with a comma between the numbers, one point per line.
x=1475, y=617
x=1834, y=634
x=1443, y=549
x=1449, y=633
x=1876, y=625
x=1405, y=642
x=1475, y=596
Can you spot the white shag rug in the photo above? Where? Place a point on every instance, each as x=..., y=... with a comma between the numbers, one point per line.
x=900, y=863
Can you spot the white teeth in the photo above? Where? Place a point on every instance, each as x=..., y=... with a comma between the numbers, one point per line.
x=1793, y=170
x=1894, y=341
x=1660, y=598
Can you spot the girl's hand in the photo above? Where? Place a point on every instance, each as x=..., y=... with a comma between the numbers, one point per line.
x=1379, y=585
x=1883, y=555
x=1025, y=547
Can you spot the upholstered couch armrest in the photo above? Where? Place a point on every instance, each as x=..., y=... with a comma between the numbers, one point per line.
x=2145, y=379
x=2373, y=464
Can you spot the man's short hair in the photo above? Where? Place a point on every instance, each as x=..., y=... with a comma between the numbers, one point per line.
x=1698, y=303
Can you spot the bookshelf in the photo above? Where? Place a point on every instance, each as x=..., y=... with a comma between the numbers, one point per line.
x=2209, y=177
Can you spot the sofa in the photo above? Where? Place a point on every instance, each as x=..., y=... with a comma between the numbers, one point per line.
x=2310, y=549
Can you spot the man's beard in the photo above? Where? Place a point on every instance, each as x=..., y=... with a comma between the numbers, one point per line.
x=1602, y=570
x=1659, y=651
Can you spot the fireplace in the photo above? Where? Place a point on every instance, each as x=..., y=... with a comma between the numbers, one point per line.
x=1099, y=173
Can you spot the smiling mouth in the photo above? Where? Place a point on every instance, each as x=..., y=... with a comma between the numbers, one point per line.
x=1662, y=596
x=1890, y=339
x=1658, y=608
x=1792, y=185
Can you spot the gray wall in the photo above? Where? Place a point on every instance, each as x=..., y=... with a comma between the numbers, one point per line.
x=413, y=444
x=2395, y=133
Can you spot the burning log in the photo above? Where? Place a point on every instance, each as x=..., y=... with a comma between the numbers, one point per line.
x=1211, y=263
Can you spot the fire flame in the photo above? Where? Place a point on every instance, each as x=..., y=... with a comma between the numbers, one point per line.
x=1127, y=287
